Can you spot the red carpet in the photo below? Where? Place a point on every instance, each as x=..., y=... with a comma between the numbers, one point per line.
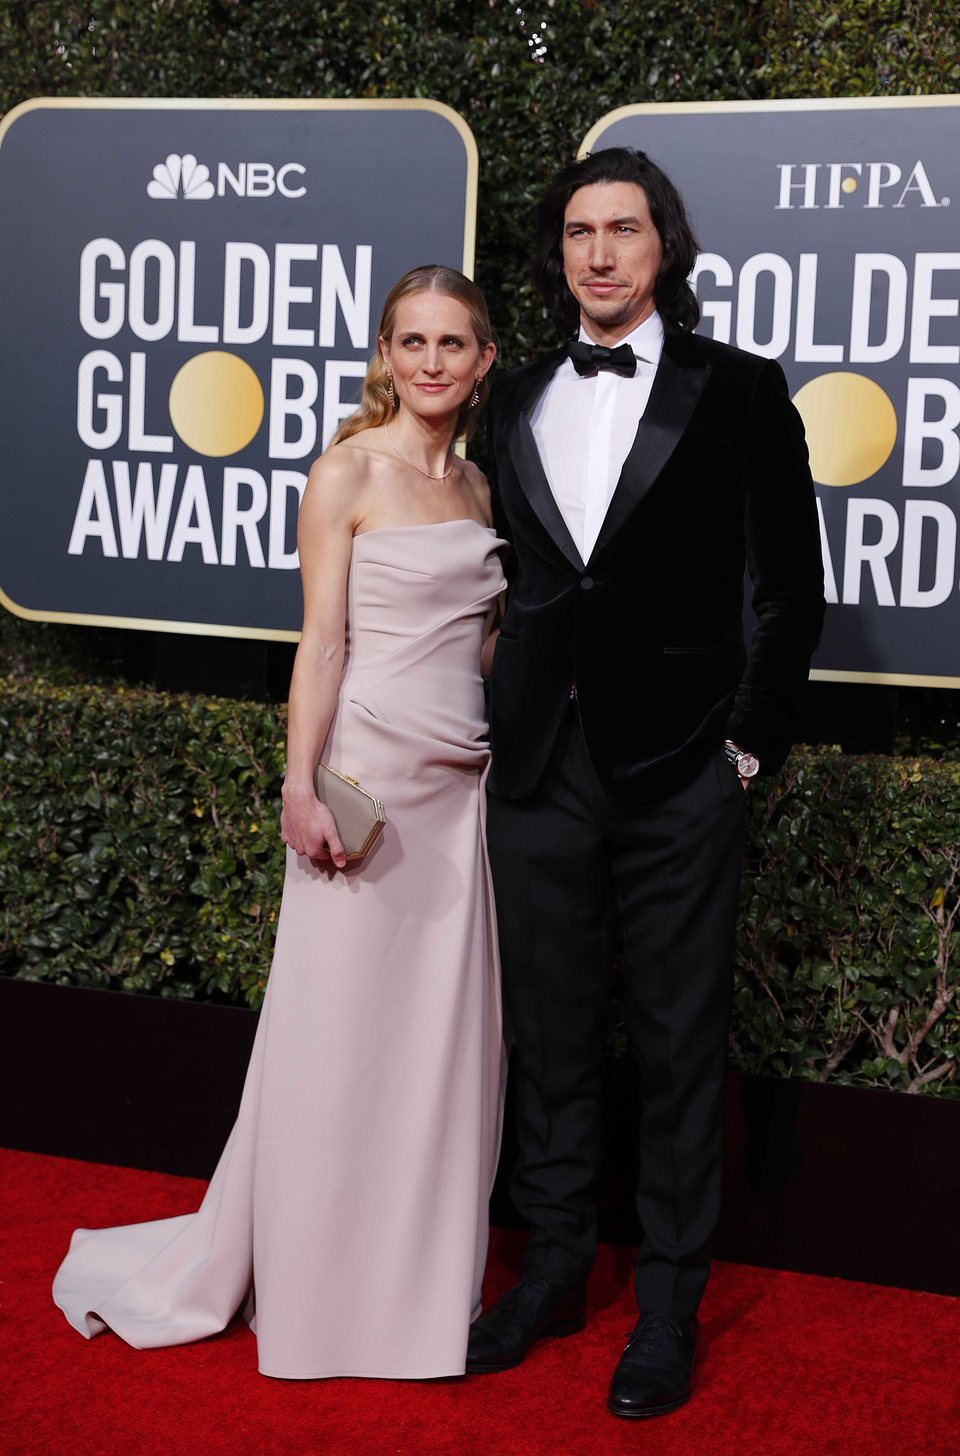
x=793, y=1365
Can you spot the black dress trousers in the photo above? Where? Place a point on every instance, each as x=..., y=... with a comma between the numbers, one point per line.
x=672, y=870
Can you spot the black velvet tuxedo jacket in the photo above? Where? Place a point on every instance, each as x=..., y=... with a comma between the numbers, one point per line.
x=650, y=628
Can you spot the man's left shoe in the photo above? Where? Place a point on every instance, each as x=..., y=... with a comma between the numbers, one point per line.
x=533, y=1308
x=655, y=1373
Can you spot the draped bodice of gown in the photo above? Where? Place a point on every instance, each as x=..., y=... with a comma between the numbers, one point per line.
x=348, y=1212
x=418, y=599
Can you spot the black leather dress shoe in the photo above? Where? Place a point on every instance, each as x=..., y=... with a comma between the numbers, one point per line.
x=655, y=1373
x=501, y=1338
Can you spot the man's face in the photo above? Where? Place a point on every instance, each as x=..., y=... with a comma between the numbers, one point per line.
x=611, y=258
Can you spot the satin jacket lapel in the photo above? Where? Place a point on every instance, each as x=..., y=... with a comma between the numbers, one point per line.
x=677, y=386
x=526, y=458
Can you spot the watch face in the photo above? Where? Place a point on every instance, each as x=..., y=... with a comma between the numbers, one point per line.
x=747, y=765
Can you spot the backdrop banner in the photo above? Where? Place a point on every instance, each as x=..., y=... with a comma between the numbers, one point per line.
x=829, y=237
x=190, y=293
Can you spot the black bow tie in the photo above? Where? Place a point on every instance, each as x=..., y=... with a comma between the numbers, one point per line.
x=588, y=358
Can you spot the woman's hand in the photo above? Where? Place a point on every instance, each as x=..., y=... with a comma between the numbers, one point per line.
x=309, y=828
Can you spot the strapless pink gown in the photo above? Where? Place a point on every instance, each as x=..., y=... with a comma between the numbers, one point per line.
x=348, y=1212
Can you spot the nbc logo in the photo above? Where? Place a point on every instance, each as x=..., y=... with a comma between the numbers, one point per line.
x=181, y=177
x=186, y=177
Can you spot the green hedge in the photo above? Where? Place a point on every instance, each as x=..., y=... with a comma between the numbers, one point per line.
x=849, y=945
x=138, y=849
x=138, y=844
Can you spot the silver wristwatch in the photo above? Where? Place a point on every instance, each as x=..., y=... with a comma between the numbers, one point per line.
x=746, y=764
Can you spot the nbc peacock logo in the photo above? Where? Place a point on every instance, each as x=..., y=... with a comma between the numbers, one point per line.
x=187, y=178
x=181, y=177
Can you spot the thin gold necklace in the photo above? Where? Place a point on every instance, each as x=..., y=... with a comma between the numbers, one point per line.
x=410, y=462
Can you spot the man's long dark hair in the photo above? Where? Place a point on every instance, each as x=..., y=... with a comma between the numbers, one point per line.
x=675, y=299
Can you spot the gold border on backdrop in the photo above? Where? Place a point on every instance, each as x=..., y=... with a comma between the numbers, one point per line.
x=840, y=103
x=207, y=103
x=892, y=679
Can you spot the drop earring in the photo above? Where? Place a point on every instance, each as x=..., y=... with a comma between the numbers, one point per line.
x=475, y=397
x=390, y=394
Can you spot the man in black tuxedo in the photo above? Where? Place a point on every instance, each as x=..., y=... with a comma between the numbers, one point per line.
x=637, y=472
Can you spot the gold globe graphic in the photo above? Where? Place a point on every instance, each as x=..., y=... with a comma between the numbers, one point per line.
x=851, y=427
x=216, y=403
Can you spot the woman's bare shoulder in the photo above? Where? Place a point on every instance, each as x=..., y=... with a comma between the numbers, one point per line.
x=340, y=478
x=349, y=458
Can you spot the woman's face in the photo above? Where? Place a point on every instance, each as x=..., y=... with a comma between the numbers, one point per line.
x=434, y=355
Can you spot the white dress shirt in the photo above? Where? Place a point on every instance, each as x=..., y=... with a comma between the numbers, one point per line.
x=584, y=427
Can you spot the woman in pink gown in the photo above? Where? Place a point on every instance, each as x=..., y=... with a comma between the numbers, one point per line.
x=348, y=1212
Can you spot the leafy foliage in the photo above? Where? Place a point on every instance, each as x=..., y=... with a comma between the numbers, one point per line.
x=138, y=844
x=849, y=942
x=859, y=48
x=138, y=849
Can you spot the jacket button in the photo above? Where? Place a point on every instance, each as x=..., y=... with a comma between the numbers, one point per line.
x=586, y=582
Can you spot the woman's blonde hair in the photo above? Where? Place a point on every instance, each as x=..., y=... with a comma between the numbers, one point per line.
x=377, y=405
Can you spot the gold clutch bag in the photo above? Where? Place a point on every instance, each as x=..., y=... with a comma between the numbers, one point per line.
x=360, y=815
